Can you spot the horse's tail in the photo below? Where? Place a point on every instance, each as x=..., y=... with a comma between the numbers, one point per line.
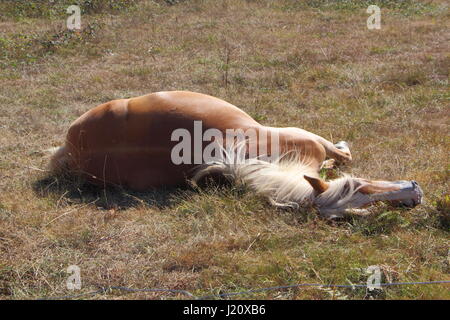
x=59, y=159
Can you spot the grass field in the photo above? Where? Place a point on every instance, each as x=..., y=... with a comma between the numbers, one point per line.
x=311, y=64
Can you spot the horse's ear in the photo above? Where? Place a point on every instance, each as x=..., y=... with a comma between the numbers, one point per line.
x=318, y=185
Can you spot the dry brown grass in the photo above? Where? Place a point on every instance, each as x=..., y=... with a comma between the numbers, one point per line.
x=313, y=65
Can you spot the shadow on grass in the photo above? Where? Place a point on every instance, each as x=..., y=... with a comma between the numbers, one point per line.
x=386, y=219
x=383, y=219
x=76, y=190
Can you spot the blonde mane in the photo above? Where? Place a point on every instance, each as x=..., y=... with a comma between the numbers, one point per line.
x=282, y=181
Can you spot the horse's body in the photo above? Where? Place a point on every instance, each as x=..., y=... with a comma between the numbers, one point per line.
x=128, y=142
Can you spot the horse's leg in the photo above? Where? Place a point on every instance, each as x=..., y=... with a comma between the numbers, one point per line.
x=284, y=206
x=328, y=164
x=339, y=151
x=312, y=152
x=335, y=154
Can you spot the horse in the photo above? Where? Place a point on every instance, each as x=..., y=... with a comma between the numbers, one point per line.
x=135, y=143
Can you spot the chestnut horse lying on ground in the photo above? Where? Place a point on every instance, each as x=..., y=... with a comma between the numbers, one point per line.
x=135, y=143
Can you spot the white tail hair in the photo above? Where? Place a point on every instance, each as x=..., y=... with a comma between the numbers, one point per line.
x=282, y=181
x=58, y=159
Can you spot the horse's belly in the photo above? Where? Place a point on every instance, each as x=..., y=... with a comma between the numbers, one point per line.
x=138, y=170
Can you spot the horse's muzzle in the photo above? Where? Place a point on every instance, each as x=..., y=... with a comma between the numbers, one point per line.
x=412, y=191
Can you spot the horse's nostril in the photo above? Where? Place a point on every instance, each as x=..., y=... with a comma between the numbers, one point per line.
x=413, y=194
x=418, y=193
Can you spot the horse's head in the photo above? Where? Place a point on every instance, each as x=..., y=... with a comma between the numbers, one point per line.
x=335, y=197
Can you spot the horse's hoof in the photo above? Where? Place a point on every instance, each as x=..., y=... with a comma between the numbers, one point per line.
x=292, y=205
x=328, y=164
x=342, y=145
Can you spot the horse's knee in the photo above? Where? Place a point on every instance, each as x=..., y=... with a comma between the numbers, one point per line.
x=315, y=151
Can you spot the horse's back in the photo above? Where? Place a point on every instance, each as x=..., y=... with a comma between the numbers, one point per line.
x=175, y=106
